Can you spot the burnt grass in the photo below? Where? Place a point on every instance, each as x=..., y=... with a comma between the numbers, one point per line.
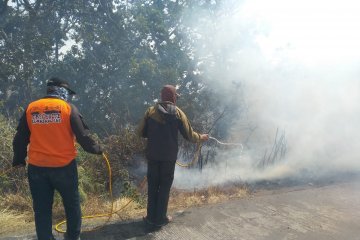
x=306, y=180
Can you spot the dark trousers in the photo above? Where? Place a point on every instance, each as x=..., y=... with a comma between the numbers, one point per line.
x=160, y=176
x=43, y=181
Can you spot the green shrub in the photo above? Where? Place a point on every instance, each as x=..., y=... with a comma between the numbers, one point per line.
x=92, y=169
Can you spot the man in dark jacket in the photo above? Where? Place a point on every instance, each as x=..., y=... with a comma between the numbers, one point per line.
x=160, y=126
x=46, y=136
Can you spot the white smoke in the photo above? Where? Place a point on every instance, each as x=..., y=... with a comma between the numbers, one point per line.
x=299, y=65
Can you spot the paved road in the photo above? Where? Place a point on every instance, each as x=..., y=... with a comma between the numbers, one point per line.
x=322, y=213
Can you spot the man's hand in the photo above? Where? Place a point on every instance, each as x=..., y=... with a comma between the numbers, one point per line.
x=204, y=137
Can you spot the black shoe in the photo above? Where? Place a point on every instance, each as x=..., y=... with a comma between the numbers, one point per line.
x=167, y=220
x=148, y=221
x=150, y=226
x=66, y=237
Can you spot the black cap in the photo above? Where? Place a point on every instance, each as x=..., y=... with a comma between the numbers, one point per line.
x=54, y=81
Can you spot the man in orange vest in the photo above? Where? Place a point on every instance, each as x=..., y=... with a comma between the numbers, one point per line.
x=46, y=135
x=160, y=126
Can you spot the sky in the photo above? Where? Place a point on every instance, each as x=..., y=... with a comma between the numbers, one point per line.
x=299, y=65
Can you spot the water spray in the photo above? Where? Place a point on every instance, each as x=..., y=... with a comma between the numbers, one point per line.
x=228, y=144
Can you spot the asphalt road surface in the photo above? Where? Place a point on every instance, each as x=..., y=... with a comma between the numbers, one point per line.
x=330, y=212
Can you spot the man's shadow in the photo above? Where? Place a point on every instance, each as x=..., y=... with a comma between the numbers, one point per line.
x=137, y=229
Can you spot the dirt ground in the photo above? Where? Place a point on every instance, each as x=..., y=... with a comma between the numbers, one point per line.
x=312, y=211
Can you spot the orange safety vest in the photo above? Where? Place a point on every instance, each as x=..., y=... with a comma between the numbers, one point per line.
x=52, y=141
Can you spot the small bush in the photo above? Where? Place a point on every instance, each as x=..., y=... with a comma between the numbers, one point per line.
x=92, y=169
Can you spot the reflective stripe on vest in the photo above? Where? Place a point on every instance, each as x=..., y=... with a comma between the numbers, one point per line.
x=52, y=141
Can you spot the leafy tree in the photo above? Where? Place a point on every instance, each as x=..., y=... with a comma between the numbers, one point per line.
x=31, y=35
x=116, y=54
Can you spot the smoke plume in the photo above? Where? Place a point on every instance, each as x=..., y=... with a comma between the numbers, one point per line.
x=298, y=64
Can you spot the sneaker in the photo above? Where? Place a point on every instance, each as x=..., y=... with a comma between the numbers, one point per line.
x=167, y=220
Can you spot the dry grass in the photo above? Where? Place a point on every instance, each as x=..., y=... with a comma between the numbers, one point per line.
x=11, y=221
x=124, y=208
x=16, y=202
x=16, y=213
x=198, y=197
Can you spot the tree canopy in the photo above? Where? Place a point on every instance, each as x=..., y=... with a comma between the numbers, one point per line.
x=116, y=54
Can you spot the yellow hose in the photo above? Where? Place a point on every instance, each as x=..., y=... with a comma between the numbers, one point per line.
x=112, y=211
x=109, y=214
x=195, y=158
